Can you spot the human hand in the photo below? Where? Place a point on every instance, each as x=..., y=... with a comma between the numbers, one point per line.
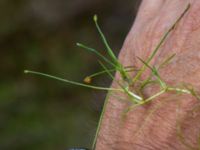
x=171, y=121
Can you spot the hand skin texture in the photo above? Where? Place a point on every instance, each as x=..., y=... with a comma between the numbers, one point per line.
x=171, y=122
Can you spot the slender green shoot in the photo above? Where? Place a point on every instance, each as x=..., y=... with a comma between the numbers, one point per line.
x=146, y=82
x=110, y=52
x=160, y=44
x=103, y=111
x=134, y=97
x=178, y=90
x=106, y=70
x=155, y=96
x=166, y=61
x=105, y=104
x=100, y=120
x=112, y=55
x=132, y=107
x=89, y=78
x=155, y=73
x=71, y=82
x=97, y=53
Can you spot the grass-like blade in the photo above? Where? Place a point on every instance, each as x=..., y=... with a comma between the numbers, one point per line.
x=104, y=107
x=155, y=73
x=119, y=66
x=127, y=69
x=166, y=61
x=135, y=98
x=71, y=82
x=107, y=70
x=110, y=52
x=160, y=44
x=96, y=52
x=147, y=82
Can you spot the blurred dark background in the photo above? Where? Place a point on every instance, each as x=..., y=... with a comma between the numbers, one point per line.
x=42, y=114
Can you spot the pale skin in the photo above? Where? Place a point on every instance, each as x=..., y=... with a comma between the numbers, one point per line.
x=171, y=122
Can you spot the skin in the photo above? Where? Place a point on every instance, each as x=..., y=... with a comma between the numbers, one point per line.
x=170, y=122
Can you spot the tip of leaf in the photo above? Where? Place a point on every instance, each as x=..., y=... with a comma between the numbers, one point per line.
x=95, y=18
x=188, y=5
x=78, y=44
x=26, y=71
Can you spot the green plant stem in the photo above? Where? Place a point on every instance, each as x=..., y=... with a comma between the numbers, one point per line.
x=134, y=97
x=154, y=96
x=147, y=82
x=159, y=45
x=100, y=121
x=166, y=61
x=71, y=82
x=178, y=90
x=165, y=90
x=112, y=55
x=119, y=66
x=96, y=52
x=132, y=107
x=110, y=70
x=155, y=73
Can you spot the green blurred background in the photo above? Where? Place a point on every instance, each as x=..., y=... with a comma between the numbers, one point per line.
x=42, y=114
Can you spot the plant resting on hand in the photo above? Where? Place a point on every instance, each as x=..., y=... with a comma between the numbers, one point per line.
x=130, y=82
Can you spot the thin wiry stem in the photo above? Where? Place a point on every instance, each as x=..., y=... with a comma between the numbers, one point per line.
x=134, y=97
x=71, y=82
x=97, y=53
x=155, y=73
x=160, y=44
x=179, y=90
x=110, y=70
x=154, y=96
x=110, y=52
x=132, y=107
x=100, y=121
x=150, y=114
x=112, y=55
x=166, y=61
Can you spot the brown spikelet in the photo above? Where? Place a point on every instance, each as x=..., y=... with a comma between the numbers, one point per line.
x=87, y=80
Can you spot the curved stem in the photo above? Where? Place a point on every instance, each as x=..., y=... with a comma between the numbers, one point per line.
x=71, y=82
x=160, y=44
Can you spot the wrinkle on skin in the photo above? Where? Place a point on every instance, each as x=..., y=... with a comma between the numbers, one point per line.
x=160, y=130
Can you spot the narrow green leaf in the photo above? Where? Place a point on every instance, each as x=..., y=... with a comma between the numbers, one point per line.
x=155, y=73
x=96, y=52
x=107, y=70
x=166, y=61
x=160, y=44
x=110, y=52
x=135, y=98
x=70, y=82
x=146, y=64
